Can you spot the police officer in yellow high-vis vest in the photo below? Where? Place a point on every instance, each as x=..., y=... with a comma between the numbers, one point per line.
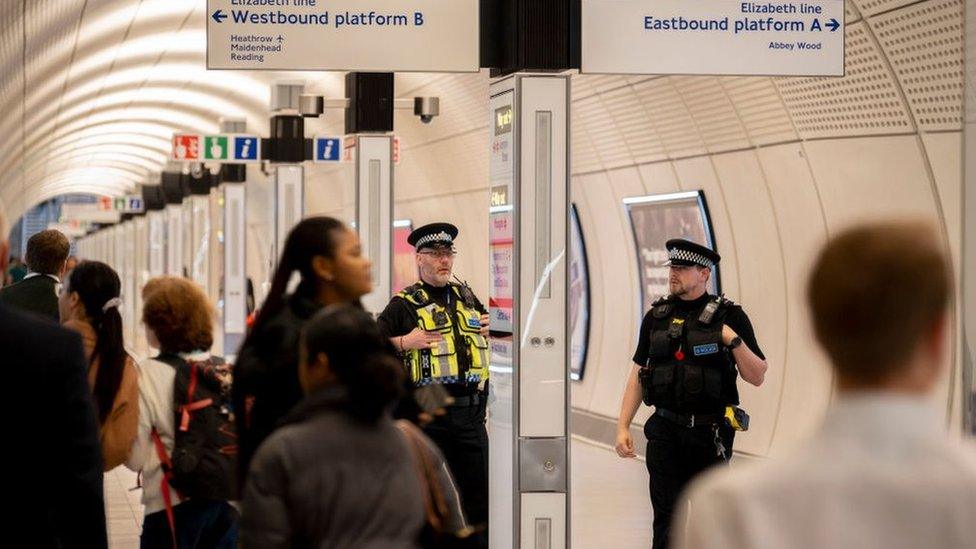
x=440, y=329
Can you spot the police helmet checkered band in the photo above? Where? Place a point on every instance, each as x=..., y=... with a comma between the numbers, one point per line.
x=686, y=252
x=433, y=234
x=436, y=237
x=688, y=256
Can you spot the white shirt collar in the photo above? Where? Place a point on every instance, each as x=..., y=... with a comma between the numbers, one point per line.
x=51, y=276
x=884, y=416
x=198, y=355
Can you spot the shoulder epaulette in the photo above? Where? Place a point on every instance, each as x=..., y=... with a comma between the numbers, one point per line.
x=662, y=300
x=662, y=307
x=726, y=302
x=416, y=295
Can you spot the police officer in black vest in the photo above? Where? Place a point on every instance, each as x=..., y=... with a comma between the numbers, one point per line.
x=691, y=350
x=440, y=329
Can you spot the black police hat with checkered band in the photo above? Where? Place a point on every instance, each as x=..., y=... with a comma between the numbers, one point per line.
x=686, y=252
x=433, y=234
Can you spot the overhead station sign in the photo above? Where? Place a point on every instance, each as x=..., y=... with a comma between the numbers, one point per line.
x=103, y=211
x=73, y=229
x=365, y=35
x=721, y=37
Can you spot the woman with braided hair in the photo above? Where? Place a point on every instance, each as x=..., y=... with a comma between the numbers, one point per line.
x=89, y=304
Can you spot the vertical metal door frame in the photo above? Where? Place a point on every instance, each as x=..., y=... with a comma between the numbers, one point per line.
x=289, y=203
x=174, y=239
x=235, y=267
x=374, y=191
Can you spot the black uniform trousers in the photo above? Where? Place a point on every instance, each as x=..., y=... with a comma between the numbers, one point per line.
x=675, y=455
x=463, y=439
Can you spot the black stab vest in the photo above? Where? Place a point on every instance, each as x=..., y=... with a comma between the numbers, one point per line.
x=688, y=369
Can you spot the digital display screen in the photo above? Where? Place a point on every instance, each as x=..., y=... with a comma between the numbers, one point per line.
x=657, y=219
x=503, y=120
x=499, y=195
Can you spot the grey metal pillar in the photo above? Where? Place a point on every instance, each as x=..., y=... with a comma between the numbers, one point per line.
x=528, y=239
x=140, y=276
x=287, y=145
x=127, y=275
x=968, y=263
x=374, y=213
x=231, y=241
x=174, y=239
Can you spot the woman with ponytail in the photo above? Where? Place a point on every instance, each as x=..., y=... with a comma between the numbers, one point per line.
x=89, y=304
x=327, y=258
x=338, y=471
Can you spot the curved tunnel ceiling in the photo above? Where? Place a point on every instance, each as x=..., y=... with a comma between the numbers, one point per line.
x=92, y=90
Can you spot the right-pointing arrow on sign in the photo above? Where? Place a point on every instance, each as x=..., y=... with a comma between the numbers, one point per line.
x=219, y=16
x=833, y=25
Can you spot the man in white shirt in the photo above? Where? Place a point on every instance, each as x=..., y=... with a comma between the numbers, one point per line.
x=882, y=472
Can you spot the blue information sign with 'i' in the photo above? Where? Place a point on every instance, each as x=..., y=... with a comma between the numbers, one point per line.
x=246, y=148
x=328, y=149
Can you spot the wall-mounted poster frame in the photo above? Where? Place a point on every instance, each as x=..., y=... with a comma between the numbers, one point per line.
x=404, y=264
x=579, y=299
x=653, y=221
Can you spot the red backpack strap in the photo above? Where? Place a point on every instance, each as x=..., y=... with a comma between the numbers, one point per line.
x=167, y=467
x=191, y=405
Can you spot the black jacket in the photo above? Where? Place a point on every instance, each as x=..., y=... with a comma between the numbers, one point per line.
x=52, y=432
x=37, y=295
x=266, y=376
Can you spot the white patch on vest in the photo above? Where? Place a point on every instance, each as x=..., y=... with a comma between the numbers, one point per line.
x=709, y=349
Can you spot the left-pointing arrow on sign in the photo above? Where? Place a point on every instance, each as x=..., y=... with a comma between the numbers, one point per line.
x=219, y=16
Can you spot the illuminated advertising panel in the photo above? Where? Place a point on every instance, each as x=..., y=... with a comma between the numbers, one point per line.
x=404, y=264
x=657, y=219
x=579, y=299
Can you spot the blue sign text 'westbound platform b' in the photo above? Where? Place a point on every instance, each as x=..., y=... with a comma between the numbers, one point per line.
x=774, y=38
x=365, y=35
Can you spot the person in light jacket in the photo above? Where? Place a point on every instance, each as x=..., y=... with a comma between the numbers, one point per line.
x=179, y=322
x=89, y=304
x=882, y=472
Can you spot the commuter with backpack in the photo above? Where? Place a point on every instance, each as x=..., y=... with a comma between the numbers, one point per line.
x=186, y=447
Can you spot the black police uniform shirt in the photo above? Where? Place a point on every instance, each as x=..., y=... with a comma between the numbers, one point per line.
x=735, y=318
x=399, y=318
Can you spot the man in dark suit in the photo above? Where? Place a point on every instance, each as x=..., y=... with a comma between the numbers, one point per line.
x=37, y=293
x=55, y=458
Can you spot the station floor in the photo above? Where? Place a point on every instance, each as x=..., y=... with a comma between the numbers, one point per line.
x=610, y=506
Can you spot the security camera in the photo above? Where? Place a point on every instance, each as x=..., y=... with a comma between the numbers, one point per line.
x=426, y=108
x=311, y=106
